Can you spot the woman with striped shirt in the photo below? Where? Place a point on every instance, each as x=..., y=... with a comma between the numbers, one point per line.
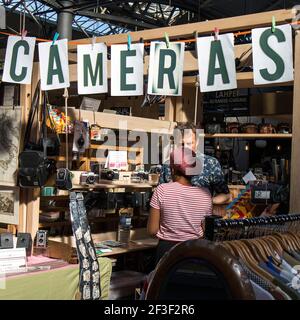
x=178, y=209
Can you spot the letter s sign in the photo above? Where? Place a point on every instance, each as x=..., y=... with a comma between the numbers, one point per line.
x=2, y=18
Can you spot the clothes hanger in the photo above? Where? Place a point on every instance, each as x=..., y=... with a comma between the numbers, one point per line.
x=282, y=241
x=290, y=242
x=251, y=261
x=296, y=240
x=256, y=248
x=274, y=250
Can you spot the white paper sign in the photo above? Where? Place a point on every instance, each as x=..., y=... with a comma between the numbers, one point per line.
x=166, y=69
x=216, y=62
x=127, y=70
x=92, y=68
x=54, y=65
x=117, y=160
x=19, y=60
x=272, y=55
x=249, y=177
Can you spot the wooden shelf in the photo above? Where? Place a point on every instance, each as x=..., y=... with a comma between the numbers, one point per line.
x=48, y=198
x=108, y=218
x=108, y=184
x=250, y=135
x=95, y=159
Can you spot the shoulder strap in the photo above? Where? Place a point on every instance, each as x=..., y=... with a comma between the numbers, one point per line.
x=32, y=112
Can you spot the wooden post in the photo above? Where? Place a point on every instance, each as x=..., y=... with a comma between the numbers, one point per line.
x=170, y=106
x=295, y=168
x=25, y=102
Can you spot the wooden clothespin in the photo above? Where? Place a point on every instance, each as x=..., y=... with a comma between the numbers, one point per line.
x=216, y=33
x=56, y=35
x=167, y=40
x=128, y=41
x=23, y=34
x=273, y=24
x=93, y=41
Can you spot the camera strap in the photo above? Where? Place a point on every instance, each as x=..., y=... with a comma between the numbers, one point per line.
x=66, y=96
x=44, y=126
x=32, y=112
x=89, y=274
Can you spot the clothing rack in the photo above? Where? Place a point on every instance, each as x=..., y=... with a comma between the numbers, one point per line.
x=218, y=229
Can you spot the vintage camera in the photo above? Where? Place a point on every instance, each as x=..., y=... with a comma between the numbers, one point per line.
x=89, y=178
x=137, y=177
x=41, y=240
x=107, y=174
x=268, y=193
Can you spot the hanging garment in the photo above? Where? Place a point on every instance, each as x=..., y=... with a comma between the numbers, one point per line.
x=261, y=293
x=89, y=274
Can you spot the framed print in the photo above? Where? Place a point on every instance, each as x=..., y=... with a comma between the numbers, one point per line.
x=10, y=126
x=9, y=205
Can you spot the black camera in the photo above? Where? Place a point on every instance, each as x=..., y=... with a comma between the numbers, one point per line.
x=269, y=193
x=64, y=179
x=89, y=178
x=106, y=174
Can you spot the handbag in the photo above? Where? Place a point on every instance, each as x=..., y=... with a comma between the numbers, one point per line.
x=34, y=166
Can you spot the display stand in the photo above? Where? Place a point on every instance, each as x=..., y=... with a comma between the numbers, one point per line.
x=181, y=108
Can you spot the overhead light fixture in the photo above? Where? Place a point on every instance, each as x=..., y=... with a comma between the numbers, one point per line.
x=7, y=2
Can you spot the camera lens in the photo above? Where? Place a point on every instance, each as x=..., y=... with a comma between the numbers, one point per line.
x=90, y=179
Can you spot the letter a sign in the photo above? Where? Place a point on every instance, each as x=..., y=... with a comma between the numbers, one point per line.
x=216, y=63
x=54, y=65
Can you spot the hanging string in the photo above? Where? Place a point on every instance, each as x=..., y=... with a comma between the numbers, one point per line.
x=24, y=17
x=66, y=96
x=76, y=42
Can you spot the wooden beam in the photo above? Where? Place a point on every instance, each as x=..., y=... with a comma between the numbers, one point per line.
x=25, y=102
x=190, y=61
x=33, y=212
x=295, y=168
x=115, y=121
x=244, y=80
x=239, y=23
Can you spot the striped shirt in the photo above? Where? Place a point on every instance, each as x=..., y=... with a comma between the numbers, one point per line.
x=182, y=210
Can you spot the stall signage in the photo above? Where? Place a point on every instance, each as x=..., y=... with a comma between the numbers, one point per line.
x=272, y=63
x=92, y=68
x=272, y=55
x=166, y=68
x=216, y=62
x=54, y=67
x=127, y=70
x=19, y=60
x=228, y=102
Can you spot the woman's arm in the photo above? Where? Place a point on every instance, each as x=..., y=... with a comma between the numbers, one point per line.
x=222, y=198
x=153, y=222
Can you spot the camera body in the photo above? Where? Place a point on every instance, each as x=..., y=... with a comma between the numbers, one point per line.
x=269, y=193
x=89, y=178
x=107, y=174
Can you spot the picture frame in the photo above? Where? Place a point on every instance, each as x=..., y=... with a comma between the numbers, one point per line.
x=10, y=130
x=9, y=205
